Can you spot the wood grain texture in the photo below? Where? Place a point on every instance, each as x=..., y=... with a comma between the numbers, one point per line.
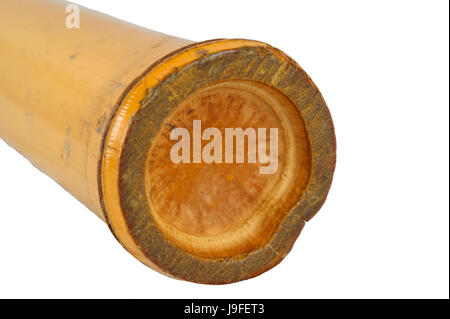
x=211, y=63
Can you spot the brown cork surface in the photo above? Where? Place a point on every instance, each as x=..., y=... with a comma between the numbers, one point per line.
x=151, y=189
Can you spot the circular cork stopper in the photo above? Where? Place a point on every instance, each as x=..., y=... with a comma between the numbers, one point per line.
x=215, y=160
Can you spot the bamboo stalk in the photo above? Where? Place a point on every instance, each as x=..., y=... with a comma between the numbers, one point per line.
x=95, y=107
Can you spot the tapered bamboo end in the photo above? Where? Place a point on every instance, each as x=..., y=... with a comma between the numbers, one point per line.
x=215, y=159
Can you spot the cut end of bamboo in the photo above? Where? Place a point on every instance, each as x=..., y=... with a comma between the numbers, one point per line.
x=205, y=159
x=206, y=211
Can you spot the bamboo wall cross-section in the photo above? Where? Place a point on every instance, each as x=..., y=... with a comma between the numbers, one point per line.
x=100, y=109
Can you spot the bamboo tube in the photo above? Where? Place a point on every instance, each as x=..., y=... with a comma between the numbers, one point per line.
x=95, y=108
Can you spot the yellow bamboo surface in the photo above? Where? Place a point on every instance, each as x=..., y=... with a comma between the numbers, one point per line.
x=58, y=86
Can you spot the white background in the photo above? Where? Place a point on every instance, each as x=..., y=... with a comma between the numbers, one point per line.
x=382, y=67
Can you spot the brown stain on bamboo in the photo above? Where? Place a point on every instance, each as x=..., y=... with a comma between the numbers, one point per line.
x=67, y=146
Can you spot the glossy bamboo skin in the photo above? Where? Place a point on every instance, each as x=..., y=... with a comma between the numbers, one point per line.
x=59, y=86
